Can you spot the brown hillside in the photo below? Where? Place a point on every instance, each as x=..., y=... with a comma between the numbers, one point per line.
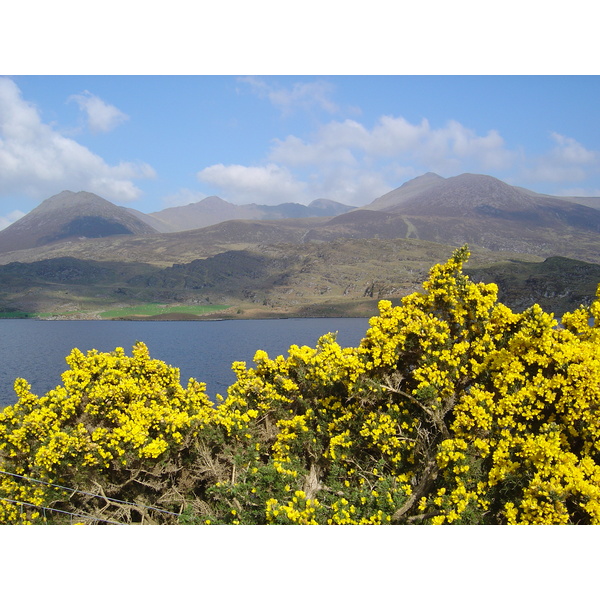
x=71, y=216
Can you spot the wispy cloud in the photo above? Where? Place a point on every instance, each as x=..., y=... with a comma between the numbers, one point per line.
x=101, y=117
x=36, y=160
x=10, y=218
x=568, y=161
x=580, y=191
x=298, y=96
x=395, y=138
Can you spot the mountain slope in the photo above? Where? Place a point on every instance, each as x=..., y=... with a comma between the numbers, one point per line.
x=156, y=224
x=342, y=277
x=406, y=191
x=70, y=216
x=482, y=210
x=481, y=197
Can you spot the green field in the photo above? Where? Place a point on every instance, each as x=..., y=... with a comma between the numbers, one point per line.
x=16, y=314
x=151, y=310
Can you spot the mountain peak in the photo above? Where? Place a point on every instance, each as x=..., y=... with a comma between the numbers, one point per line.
x=479, y=199
x=213, y=202
x=459, y=196
x=428, y=177
x=70, y=199
x=329, y=208
x=406, y=191
x=70, y=215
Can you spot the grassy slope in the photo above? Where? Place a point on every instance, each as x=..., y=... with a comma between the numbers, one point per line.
x=161, y=310
x=292, y=268
x=345, y=277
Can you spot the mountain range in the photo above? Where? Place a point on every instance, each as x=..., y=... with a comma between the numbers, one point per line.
x=213, y=210
x=283, y=256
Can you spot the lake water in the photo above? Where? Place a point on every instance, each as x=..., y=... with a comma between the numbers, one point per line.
x=204, y=350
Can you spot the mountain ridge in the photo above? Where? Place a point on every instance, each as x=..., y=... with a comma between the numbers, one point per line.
x=476, y=209
x=468, y=195
x=214, y=210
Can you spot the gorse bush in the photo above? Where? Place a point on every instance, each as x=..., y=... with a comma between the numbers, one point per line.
x=114, y=428
x=453, y=409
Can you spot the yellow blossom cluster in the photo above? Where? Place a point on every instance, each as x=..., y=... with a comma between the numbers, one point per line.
x=113, y=414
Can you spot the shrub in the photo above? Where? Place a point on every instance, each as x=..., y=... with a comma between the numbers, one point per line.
x=117, y=428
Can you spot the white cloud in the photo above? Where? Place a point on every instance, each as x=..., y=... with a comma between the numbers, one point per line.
x=329, y=149
x=387, y=154
x=273, y=184
x=457, y=144
x=37, y=161
x=350, y=185
x=10, y=218
x=101, y=117
x=270, y=184
x=571, y=151
x=396, y=138
x=300, y=96
x=567, y=161
x=393, y=136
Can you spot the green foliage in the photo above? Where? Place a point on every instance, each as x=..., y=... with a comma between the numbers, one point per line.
x=453, y=409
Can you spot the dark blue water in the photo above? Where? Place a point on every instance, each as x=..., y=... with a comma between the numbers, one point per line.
x=204, y=350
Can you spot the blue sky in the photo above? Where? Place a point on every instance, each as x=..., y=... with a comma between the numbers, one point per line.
x=152, y=106
x=155, y=141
